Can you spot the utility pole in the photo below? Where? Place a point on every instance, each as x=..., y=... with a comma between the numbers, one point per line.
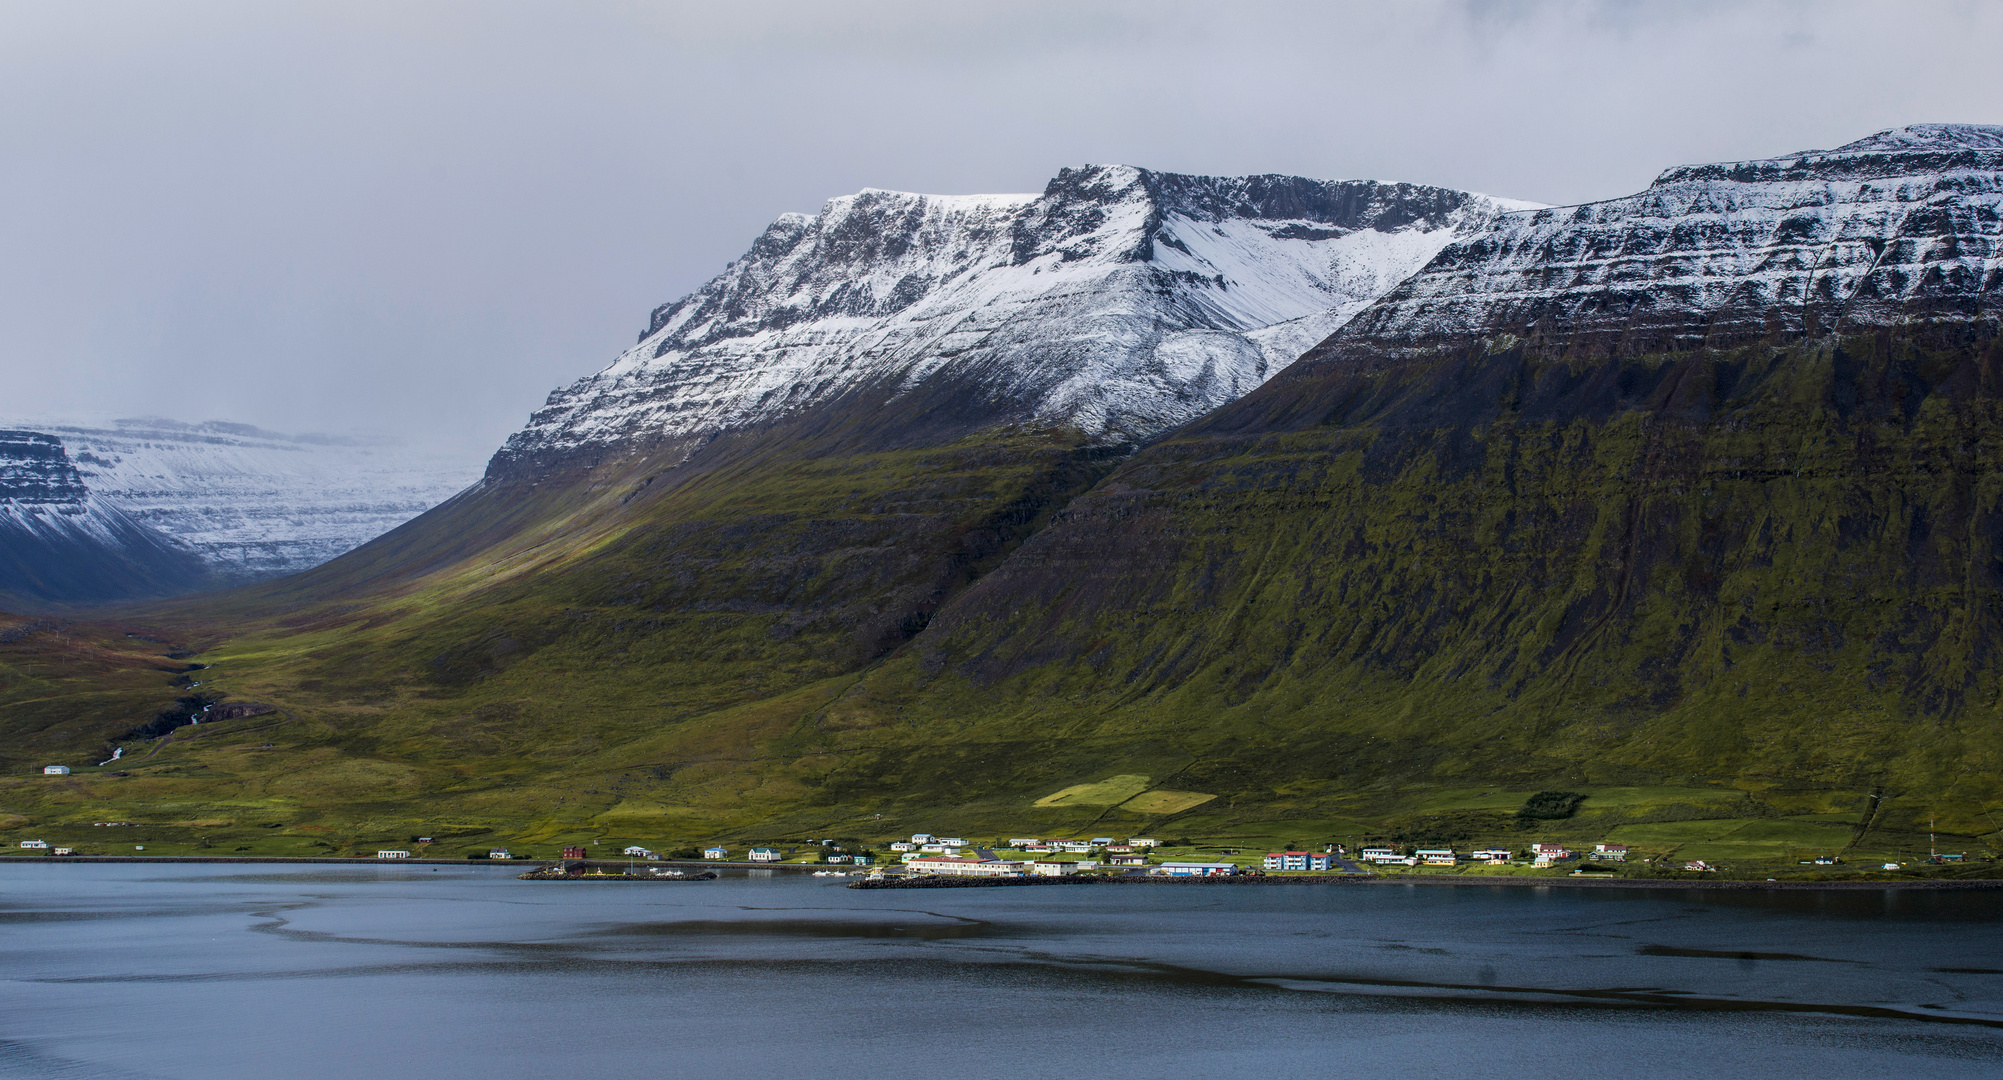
x=1931, y=854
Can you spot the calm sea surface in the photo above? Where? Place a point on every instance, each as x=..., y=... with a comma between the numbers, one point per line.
x=218, y=972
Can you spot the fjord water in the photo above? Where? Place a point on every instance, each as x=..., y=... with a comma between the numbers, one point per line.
x=219, y=972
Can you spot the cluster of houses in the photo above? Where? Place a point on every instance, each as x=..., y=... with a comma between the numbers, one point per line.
x=1301, y=860
x=923, y=844
x=1540, y=855
x=757, y=854
x=925, y=853
x=928, y=854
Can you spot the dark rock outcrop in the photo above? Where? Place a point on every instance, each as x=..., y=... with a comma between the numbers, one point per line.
x=61, y=545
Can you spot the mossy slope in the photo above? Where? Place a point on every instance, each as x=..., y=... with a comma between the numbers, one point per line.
x=1769, y=573
x=1776, y=566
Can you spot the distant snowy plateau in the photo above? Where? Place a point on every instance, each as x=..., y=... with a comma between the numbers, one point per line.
x=252, y=504
x=1121, y=301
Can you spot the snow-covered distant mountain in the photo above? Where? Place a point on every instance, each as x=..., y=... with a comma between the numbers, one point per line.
x=60, y=543
x=1119, y=300
x=1903, y=225
x=251, y=503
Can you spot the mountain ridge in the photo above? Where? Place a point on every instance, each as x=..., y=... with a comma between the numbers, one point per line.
x=1505, y=530
x=1896, y=226
x=1120, y=301
x=61, y=544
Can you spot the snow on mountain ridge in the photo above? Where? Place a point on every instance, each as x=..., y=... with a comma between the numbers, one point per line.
x=1924, y=136
x=1120, y=300
x=1904, y=224
x=253, y=503
x=61, y=543
x=42, y=492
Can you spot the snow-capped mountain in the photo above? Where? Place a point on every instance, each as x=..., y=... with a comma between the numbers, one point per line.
x=1119, y=300
x=1899, y=226
x=251, y=503
x=60, y=542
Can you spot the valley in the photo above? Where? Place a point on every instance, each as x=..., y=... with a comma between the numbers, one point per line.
x=933, y=514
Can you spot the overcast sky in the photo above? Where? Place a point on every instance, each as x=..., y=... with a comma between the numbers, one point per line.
x=420, y=217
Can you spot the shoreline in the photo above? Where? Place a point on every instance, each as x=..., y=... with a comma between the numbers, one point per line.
x=364, y=860
x=1952, y=885
x=1430, y=881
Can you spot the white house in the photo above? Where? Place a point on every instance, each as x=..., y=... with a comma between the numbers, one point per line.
x=1380, y=855
x=1609, y=853
x=952, y=841
x=942, y=864
x=932, y=849
x=392, y=854
x=1142, y=841
x=1197, y=869
x=1021, y=842
x=715, y=853
x=35, y=845
x=1129, y=859
x=1546, y=854
x=55, y=770
x=498, y=853
x=921, y=838
x=1491, y=856
x=1437, y=856
x=1101, y=841
x=902, y=845
x=639, y=852
x=765, y=854
x=1049, y=868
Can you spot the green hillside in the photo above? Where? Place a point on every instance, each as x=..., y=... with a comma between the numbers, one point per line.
x=1746, y=602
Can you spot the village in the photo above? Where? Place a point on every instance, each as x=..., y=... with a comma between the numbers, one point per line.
x=926, y=854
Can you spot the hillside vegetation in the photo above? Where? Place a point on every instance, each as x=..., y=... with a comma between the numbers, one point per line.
x=1745, y=602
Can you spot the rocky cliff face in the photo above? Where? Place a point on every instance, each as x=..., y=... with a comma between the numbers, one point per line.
x=36, y=471
x=1699, y=482
x=1901, y=226
x=60, y=543
x=1119, y=301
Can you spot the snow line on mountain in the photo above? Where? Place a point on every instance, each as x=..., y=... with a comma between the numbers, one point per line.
x=1904, y=224
x=1120, y=300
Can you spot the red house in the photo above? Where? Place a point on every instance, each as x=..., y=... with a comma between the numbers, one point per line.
x=573, y=852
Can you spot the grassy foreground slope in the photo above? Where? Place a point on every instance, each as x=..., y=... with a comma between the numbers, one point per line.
x=69, y=688
x=533, y=655
x=1747, y=601
x=1774, y=569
